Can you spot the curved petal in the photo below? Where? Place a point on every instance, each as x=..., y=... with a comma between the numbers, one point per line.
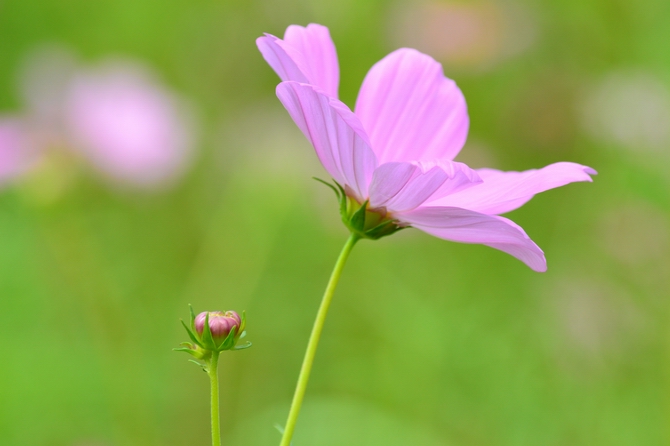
x=462, y=225
x=502, y=192
x=335, y=132
x=387, y=180
x=319, y=55
x=282, y=58
x=459, y=177
x=417, y=190
x=306, y=55
x=400, y=187
x=410, y=110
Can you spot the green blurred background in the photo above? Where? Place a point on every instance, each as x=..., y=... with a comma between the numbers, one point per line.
x=428, y=342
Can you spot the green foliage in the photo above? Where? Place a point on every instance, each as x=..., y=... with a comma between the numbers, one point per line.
x=463, y=344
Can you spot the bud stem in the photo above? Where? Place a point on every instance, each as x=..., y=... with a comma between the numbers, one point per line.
x=212, y=371
x=313, y=343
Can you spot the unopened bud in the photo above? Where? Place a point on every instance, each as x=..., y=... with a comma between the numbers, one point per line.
x=220, y=323
x=223, y=332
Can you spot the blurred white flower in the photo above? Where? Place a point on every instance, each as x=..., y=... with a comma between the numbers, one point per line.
x=43, y=80
x=631, y=109
x=593, y=324
x=475, y=34
x=635, y=233
x=270, y=154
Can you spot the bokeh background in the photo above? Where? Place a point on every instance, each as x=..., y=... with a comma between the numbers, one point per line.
x=428, y=342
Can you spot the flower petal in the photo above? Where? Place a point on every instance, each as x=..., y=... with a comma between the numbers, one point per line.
x=387, y=180
x=335, y=132
x=410, y=110
x=282, y=58
x=505, y=191
x=306, y=55
x=412, y=193
x=417, y=190
x=462, y=225
x=459, y=177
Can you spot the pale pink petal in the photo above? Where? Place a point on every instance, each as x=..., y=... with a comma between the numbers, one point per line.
x=502, y=192
x=319, y=61
x=417, y=190
x=335, y=132
x=410, y=110
x=388, y=180
x=465, y=226
x=459, y=177
x=305, y=55
x=282, y=58
x=399, y=188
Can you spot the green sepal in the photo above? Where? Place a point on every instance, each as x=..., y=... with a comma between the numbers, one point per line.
x=202, y=366
x=229, y=342
x=355, y=217
x=343, y=202
x=243, y=346
x=190, y=309
x=243, y=324
x=207, y=338
x=190, y=351
x=192, y=335
x=341, y=195
x=243, y=334
x=341, y=189
x=382, y=230
x=357, y=220
x=337, y=192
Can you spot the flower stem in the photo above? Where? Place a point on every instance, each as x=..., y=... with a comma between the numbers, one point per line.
x=313, y=343
x=212, y=371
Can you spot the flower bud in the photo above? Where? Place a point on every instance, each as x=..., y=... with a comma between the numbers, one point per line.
x=222, y=332
x=220, y=323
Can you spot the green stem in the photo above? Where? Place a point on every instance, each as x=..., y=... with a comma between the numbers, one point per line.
x=313, y=343
x=212, y=371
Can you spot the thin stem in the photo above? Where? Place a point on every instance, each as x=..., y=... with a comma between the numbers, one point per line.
x=212, y=371
x=313, y=343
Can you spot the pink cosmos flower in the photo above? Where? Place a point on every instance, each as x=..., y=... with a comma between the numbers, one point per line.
x=396, y=149
x=116, y=116
x=127, y=125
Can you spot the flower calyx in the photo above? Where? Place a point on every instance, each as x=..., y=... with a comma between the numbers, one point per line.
x=213, y=331
x=361, y=219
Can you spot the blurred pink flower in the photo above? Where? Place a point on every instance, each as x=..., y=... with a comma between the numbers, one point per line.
x=16, y=154
x=464, y=34
x=116, y=117
x=127, y=126
x=397, y=149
